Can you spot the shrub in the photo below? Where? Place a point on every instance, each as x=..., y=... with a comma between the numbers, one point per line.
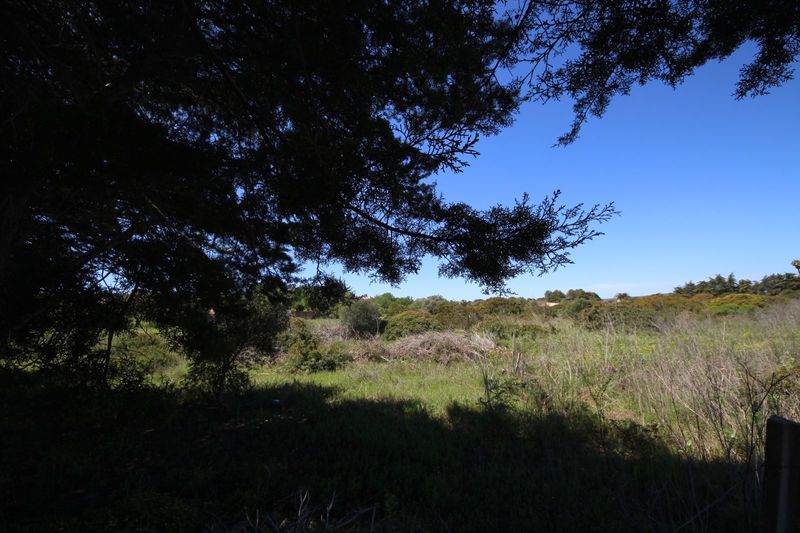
x=625, y=315
x=147, y=347
x=138, y=355
x=409, y=323
x=325, y=358
x=576, y=294
x=306, y=353
x=505, y=330
x=362, y=317
x=503, y=306
x=456, y=315
x=429, y=304
x=573, y=308
x=215, y=344
x=554, y=296
x=736, y=303
x=389, y=305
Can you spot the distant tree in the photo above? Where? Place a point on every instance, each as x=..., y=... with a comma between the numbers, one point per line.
x=575, y=294
x=502, y=306
x=429, y=304
x=390, y=305
x=745, y=286
x=796, y=264
x=689, y=289
x=554, y=296
x=362, y=316
x=775, y=284
x=717, y=285
x=622, y=296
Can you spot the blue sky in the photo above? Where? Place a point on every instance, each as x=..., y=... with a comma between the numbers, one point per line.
x=706, y=184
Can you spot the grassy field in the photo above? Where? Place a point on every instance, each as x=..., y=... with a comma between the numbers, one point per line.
x=570, y=430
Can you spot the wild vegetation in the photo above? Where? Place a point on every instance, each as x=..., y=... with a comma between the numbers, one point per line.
x=168, y=170
x=638, y=414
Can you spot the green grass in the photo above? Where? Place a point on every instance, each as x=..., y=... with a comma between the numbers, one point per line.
x=433, y=386
x=578, y=430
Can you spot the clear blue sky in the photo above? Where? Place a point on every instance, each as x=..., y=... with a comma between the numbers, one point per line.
x=706, y=184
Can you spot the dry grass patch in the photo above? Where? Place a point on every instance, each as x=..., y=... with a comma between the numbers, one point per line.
x=442, y=347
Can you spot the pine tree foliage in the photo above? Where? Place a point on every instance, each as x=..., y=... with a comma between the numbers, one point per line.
x=167, y=158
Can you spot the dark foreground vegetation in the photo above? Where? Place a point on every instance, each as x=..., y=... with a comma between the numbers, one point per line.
x=546, y=422
x=285, y=458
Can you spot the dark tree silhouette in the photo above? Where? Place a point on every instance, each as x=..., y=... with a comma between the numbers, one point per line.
x=612, y=45
x=192, y=152
x=188, y=154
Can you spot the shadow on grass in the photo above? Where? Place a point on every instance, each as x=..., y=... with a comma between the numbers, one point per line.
x=151, y=460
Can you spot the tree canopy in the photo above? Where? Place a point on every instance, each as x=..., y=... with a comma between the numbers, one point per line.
x=192, y=154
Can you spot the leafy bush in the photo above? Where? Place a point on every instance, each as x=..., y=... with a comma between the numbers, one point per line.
x=503, y=306
x=321, y=295
x=298, y=338
x=736, y=303
x=215, y=344
x=138, y=355
x=214, y=378
x=576, y=294
x=147, y=347
x=573, y=308
x=429, y=304
x=390, y=305
x=324, y=358
x=409, y=323
x=624, y=315
x=456, y=315
x=306, y=353
x=362, y=317
x=554, y=296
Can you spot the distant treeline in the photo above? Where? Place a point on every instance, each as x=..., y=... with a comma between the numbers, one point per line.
x=515, y=317
x=772, y=285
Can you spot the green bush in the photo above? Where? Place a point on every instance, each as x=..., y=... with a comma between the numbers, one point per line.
x=504, y=330
x=298, y=338
x=137, y=356
x=429, y=304
x=305, y=351
x=576, y=294
x=148, y=348
x=623, y=315
x=573, y=308
x=242, y=330
x=389, y=305
x=409, y=323
x=456, y=315
x=503, y=306
x=731, y=304
x=362, y=317
x=324, y=358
